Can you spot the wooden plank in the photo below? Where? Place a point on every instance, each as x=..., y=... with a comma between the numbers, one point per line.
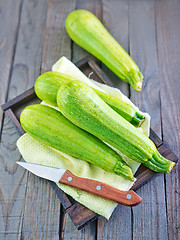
x=71, y=231
x=12, y=183
x=118, y=226
x=89, y=232
x=57, y=42
x=168, y=38
x=20, y=99
x=81, y=215
x=143, y=50
x=9, y=18
x=25, y=64
x=154, y=137
x=149, y=218
x=115, y=19
x=41, y=213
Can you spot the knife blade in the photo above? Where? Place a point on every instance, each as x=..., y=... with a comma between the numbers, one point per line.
x=128, y=198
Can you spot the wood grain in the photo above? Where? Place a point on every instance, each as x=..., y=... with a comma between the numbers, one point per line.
x=10, y=210
x=168, y=38
x=104, y=190
x=118, y=226
x=9, y=17
x=27, y=61
x=159, y=216
x=13, y=179
x=56, y=45
x=143, y=50
x=77, y=53
x=152, y=222
x=41, y=213
x=12, y=183
x=115, y=19
x=71, y=232
x=56, y=41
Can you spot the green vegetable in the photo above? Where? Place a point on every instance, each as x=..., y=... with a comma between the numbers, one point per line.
x=124, y=109
x=82, y=106
x=51, y=128
x=87, y=31
x=48, y=84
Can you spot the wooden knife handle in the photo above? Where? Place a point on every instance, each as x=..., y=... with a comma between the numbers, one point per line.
x=128, y=198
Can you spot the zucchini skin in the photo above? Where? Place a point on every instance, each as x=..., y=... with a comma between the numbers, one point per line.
x=87, y=31
x=82, y=106
x=50, y=127
x=48, y=84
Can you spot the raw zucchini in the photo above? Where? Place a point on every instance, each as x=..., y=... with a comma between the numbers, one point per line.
x=87, y=31
x=51, y=128
x=82, y=106
x=48, y=84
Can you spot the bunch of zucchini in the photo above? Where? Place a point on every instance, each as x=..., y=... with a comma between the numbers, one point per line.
x=86, y=120
x=54, y=80
x=89, y=119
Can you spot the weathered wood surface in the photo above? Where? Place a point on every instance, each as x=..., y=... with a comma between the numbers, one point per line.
x=41, y=211
x=168, y=38
x=70, y=232
x=149, y=31
x=56, y=41
x=118, y=27
x=152, y=222
x=56, y=44
x=9, y=9
x=25, y=64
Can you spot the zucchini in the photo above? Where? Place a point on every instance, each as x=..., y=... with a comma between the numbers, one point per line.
x=87, y=31
x=82, y=106
x=50, y=127
x=48, y=84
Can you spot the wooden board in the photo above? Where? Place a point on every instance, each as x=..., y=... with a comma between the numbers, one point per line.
x=20, y=59
x=168, y=38
x=79, y=214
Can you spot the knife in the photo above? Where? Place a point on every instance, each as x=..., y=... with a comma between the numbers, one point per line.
x=128, y=198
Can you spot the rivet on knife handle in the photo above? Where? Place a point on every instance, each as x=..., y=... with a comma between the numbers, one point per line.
x=128, y=198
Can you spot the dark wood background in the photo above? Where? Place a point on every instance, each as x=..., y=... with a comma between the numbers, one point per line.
x=32, y=38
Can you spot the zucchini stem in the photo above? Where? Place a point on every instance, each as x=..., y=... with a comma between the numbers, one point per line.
x=159, y=164
x=137, y=120
x=121, y=168
x=135, y=79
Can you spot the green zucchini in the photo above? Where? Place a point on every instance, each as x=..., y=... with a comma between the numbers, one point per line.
x=82, y=106
x=48, y=84
x=88, y=32
x=50, y=127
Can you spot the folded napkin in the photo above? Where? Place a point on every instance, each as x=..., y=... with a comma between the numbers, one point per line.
x=35, y=152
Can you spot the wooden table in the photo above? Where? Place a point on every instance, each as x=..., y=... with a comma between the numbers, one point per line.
x=32, y=38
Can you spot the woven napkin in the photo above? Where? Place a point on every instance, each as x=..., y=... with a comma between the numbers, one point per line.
x=35, y=152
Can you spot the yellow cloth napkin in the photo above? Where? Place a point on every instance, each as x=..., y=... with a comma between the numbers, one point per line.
x=35, y=152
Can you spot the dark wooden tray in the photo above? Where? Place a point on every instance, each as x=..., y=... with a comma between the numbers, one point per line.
x=79, y=214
